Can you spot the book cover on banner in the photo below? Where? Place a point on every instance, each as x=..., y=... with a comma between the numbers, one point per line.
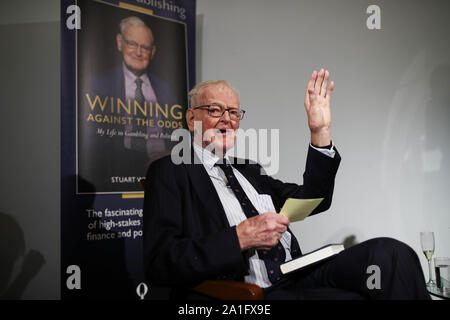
x=124, y=125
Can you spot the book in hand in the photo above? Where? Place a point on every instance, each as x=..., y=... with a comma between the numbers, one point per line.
x=311, y=258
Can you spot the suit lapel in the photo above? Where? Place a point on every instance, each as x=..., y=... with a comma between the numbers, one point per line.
x=206, y=192
x=120, y=83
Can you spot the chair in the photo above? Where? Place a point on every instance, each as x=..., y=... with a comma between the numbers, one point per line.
x=236, y=290
x=229, y=290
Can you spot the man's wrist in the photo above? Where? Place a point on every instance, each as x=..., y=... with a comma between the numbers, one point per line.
x=241, y=237
x=321, y=137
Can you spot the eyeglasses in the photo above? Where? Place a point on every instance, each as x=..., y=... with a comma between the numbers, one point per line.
x=133, y=45
x=217, y=111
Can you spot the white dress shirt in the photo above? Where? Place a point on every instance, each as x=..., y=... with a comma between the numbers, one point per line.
x=130, y=86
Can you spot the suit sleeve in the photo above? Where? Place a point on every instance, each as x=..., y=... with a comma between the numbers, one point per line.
x=318, y=181
x=173, y=255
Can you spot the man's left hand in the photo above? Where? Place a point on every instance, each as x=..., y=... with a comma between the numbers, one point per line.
x=317, y=105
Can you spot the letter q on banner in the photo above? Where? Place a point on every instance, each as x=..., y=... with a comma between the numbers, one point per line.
x=142, y=290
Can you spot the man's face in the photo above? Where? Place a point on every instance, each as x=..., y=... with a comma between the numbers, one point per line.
x=219, y=134
x=136, y=45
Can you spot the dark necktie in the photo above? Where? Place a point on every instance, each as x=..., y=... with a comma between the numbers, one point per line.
x=272, y=258
x=138, y=95
x=138, y=143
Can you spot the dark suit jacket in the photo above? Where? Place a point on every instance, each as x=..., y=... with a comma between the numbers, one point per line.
x=187, y=237
x=100, y=157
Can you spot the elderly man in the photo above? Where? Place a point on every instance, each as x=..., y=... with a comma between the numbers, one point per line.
x=219, y=219
x=124, y=157
x=136, y=43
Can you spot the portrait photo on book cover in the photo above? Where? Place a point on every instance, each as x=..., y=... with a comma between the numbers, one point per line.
x=131, y=94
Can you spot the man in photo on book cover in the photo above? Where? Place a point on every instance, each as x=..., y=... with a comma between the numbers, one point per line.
x=125, y=149
x=215, y=218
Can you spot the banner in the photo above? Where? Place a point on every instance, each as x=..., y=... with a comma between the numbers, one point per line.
x=126, y=70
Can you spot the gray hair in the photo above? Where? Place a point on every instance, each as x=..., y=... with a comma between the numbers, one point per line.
x=133, y=21
x=192, y=95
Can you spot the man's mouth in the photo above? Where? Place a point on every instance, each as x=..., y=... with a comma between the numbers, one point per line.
x=224, y=131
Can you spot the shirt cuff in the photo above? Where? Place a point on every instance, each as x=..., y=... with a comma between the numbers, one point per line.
x=328, y=152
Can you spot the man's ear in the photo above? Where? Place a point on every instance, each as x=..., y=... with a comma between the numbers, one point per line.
x=119, y=42
x=190, y=119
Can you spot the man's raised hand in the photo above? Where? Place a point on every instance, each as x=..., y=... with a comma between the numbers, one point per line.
x=317, y=105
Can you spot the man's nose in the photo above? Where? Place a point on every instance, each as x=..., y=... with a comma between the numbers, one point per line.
x=139, y=50
x=226, y=116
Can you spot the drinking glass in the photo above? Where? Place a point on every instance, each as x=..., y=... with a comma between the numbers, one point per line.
x=427, y=242
x=442, y=271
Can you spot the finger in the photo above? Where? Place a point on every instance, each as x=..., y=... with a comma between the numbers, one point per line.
x=285, y=220
x=319, y=81
x=323, y=89
x=281, y=229
x=310, y=87
x=276, y=229
x=330, y=90
x=313, y=80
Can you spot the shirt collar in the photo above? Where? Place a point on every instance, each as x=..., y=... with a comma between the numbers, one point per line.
x=131, y=77
x=208, y=158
